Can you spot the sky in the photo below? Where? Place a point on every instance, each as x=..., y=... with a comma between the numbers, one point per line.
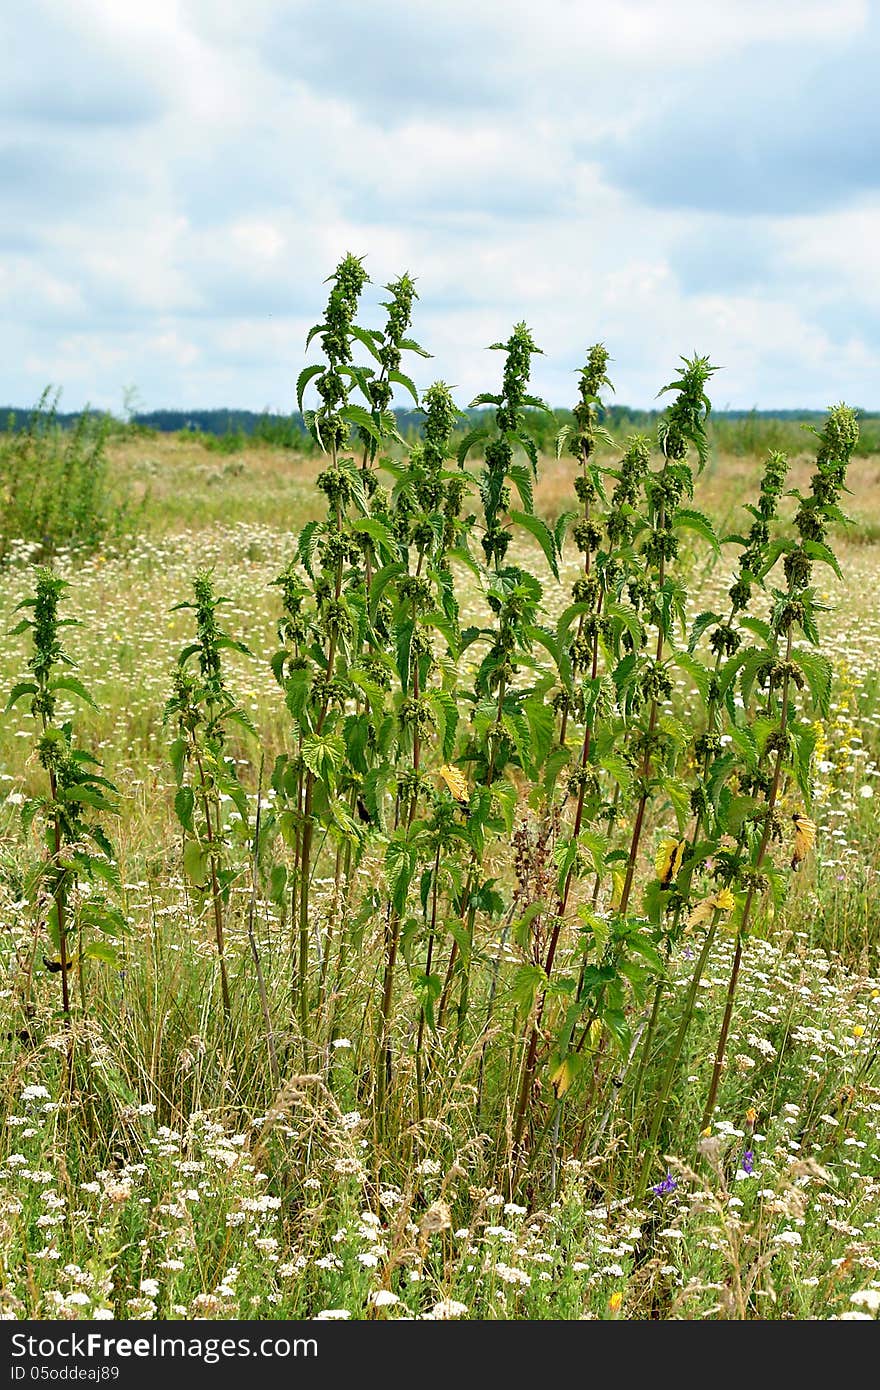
x=179, y=177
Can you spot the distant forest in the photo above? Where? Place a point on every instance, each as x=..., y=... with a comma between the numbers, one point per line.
x=735, y=431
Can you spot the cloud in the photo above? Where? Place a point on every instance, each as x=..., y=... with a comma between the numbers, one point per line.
x=179, y=179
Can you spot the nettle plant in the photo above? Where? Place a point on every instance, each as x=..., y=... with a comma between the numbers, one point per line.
x=203, y=709
x=517, y=820
x=70, y=887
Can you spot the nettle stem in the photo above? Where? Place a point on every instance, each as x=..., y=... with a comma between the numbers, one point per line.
x=60, y=896
x=645, y=771
x=216, y=897
x=773, y=795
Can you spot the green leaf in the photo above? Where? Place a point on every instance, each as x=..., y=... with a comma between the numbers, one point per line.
x=824, y=554
x=698, y=673
x=542, y=727
x=819, y=673
x=470, y=439
x=362, y=419
x=303, y=380
x=521, y=478
x=403, y=380
x=400, y=868
x=365, y=337
x=542, y=534
x=380, y=582
x=103, y=951
x=195, y=863
x=527, y=980
x=378, y=532
x=686, y=518
x=410, y=345
x=184, y=803
x=18, y=692
x=701, y=623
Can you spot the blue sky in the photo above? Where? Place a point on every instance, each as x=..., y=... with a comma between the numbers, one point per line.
x=178, y=177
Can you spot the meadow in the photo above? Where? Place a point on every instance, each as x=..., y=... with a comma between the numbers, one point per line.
x=472, y=911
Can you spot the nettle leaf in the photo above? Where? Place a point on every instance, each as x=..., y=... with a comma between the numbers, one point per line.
x=521, y=478
x=804, y=737
x=184, y=803
x=560, y=530
x=177, y=754
x=359, y=416
x=528, y=444
x=542, y=534
x=542, y=727
x=823, y=554
x=380, y=582
x=367, y=337
x=820, y=674
x=308, y=544
x=323, y=754
x=567, y=617
x=485, y=398
x=699, y=674
x=378, y=532
x=18, y=692
x=401, y=860
x=772, y=553
x=306, y=375
x=402, y=379
x=553, y=646
x=758, y=626
x=561, y=438
x=410, y=345
x=527, y=980
x=686, y=518
x=473, y=437
x=195, y=863
x=620, y=770
x=504, y=799
x=701, y=624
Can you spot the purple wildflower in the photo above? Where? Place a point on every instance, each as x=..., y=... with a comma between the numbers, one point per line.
x=748, y=1162
x=662, y=1189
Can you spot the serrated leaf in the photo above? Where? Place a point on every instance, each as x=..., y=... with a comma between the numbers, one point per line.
x=360, y=417
x=542, y=534
x=18, y=692
x=686, y=518
x=184, y=802
x=470, y=439
x=365, y=337
x=410, y=345
x=302, y=381
x=701, y=623
x=403, y=380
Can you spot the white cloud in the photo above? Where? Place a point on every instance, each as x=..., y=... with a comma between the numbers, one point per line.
x=179, y=178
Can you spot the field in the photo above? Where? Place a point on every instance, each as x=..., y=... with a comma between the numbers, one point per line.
x=375, y=1101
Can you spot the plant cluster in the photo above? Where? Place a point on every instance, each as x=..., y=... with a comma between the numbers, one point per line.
x=523, y=820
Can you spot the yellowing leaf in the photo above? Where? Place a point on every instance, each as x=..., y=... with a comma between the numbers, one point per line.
x=562, y=1078
x=668, y=860
x=804, y=838
x=456, y=782
x=564, y=1074
x=701, y=913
